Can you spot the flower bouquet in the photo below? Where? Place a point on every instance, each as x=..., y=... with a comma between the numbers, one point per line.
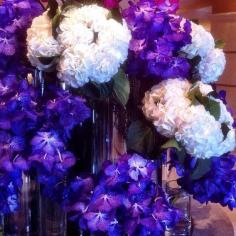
x=59, y=65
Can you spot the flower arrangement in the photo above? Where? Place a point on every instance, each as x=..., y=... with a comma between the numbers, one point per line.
x=212, y=63
x=39, y=129
x=89, y=45
x=180, y=111
x=193, y=118
x=157, y=37
x=16, y=17
x=126, y=200
x=83, y=45
x=215, y=183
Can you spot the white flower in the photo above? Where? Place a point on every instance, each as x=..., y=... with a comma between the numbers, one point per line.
x=169, y=108
x=73, y=34
x=205, y=89
x=74, y=66
x=104, y=65
x=165, y=103
x=202, y=42
x=105, y=43
x=201, y=134
x=40, y=42
x=212, y=66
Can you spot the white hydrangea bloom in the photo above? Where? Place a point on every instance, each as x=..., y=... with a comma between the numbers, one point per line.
x=40, y=42
x=164, y=105
x=106, y=42
x=201, y=134
x=170, y=110
x=212, y=66
x=74, y=66
x=202, y=42
x=205, y=89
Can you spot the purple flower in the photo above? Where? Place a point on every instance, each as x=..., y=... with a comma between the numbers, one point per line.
x=222, y=96
x=177, y=67
x=139, y=167
x=16, y=16
x=66, y=161
x=119, y=206
x=46, y=160
x=144, y=11
x=105, y=201
x=217, y=185
x=67, y=111
x=98, y=221
x=7, y=43
x=137, y=45
x=170, y=6
x=116, y=173
x=157, y=38
x=111, y=4
x=230, y=197
x=137, y=208
x=47, y=142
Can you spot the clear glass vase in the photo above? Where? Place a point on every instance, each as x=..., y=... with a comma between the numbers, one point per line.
x=107, y=143
x=1, y=224
x=25, y=221
x=182, y=201
x=54, y=220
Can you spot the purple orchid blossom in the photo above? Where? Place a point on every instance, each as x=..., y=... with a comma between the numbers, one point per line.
x=170, y=6
x=16, y=17
x=217, y=185
x=47, y=142
x=121, y=205
x=157, y=37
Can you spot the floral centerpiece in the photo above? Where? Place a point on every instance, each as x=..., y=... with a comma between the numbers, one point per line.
x=85, y=49
x=170, y=53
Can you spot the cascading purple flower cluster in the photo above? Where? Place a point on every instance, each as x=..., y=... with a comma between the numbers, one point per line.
x=34, y=132
x=60, y=114
x=18, y=118
x=16, y=16
x=217, y=185
x=9, y=191
x=157, y=38
x=125, y=201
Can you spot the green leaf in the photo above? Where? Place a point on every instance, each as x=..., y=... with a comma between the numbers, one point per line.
x=140, y=138
x=202, y=167
x=213, y=94
x=172, y=143
x=225, y=129
x=115, y=14
x=96, y=91
x=194, y=93
x=195, y=61
x=220, y=44
x=55, y=22
x=46, y=60
x=69, y=4
x=121, y=87
x=53, y=7
x=210, y=105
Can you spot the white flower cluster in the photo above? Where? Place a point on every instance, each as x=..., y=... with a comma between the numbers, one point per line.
x=212, y=63
x=93, y=46
x=167, y=105
x=212, y=66
x=202, y=42
x=40, y=42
